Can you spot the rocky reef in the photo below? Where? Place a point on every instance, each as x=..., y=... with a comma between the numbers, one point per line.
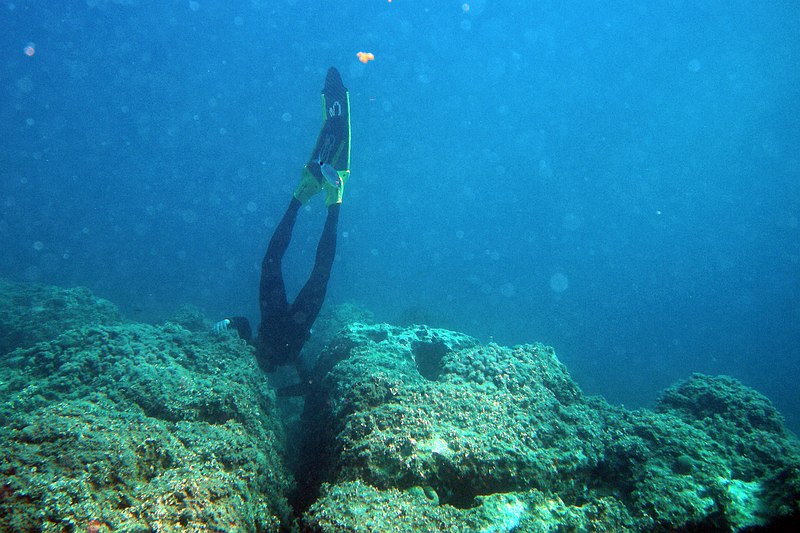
x=428, y=430
x=30, y=313
x=107, y=425
x=133, y=427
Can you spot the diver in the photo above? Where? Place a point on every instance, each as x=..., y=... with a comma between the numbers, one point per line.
x=285, y=327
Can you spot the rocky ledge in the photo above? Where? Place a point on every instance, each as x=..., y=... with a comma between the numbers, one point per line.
x=107, y=425
x=419, y=429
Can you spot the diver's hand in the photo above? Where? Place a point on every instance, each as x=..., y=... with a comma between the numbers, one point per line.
x=221, y=326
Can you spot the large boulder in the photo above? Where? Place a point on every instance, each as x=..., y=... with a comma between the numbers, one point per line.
x=30, y=313
x=414, y=429
x=134, y=427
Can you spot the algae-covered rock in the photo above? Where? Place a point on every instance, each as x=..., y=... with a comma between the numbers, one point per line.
x=424, y=429
x=107, y=426
x=140, y=428
x=356, y=506
x=30, y=313
x=761, y=457
x=191, y=318
x=712, y=400
x=331, y=320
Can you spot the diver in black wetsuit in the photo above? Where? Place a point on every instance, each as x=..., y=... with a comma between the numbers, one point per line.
x=285, y=327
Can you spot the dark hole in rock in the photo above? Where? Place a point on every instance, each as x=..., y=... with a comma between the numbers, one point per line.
x=428, y=356
x=460, y=498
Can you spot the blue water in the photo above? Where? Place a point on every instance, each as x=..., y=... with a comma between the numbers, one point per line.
x=616, y=179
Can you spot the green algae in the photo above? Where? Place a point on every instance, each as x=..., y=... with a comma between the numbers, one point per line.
x=140, y=428
x=358, y=507
x=167, y=428
x=30, y=313
x=475, y=422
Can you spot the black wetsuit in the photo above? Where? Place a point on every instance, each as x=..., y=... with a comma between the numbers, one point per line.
x=285, y=327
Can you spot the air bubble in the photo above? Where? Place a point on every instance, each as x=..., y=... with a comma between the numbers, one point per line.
x=559, y=282
x=508, y=290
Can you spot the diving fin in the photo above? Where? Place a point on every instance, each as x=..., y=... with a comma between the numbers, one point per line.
x=331, y=154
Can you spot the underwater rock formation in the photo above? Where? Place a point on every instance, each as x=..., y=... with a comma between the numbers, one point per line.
x=426, y=429
x=132, y=427
x=114, y=426
x=30, y=312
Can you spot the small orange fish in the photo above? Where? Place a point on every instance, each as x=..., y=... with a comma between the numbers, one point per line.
x=365, y=57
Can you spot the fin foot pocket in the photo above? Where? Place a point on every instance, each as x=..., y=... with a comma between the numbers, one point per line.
x=332, y=149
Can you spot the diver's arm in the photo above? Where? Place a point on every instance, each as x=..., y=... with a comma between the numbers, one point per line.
x=239, y=323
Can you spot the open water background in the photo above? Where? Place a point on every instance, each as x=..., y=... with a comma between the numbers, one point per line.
x=617, y=179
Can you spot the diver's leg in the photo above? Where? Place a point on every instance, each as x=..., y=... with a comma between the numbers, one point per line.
x=309, y=300
x=272, y=290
